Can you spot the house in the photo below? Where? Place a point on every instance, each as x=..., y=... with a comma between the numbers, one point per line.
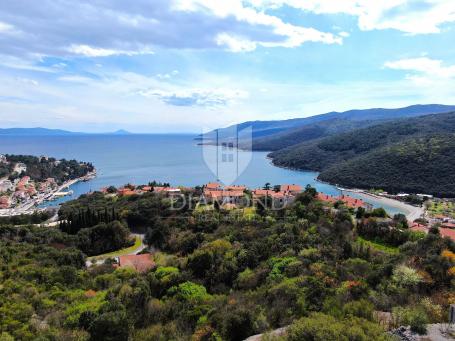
x=3, y=159
x=125, y=191
x=141, y=263
x=416, y=227
x=346, y=199
x=326, y=198
x=223, y=197
x=235, y=188
x=31, y=190
x=449, y=233
x=281, y=197
x=6, y=185
x=20, y=168
x=232, y=197
x=213, y=186
x=147, y=188
x=352, y=202
x=448, y=225
x=5, y=202
x=294, y=189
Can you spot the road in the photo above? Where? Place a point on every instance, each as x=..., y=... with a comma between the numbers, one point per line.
x=98, y=260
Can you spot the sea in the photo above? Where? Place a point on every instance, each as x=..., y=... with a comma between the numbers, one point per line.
x=140, y=159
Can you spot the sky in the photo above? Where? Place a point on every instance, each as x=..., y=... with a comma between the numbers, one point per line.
x=168, y=66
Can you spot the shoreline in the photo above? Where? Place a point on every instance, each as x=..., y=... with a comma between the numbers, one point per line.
x=32, y=207
x=412, y=212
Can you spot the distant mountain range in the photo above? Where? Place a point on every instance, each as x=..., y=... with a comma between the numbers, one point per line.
x=51, y=132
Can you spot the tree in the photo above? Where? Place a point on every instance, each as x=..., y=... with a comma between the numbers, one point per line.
x=110, y=326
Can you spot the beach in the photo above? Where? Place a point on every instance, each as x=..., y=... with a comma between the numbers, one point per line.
x=412, y=212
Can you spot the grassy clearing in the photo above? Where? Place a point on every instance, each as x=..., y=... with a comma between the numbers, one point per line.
x=378, y=246
x=122, y=252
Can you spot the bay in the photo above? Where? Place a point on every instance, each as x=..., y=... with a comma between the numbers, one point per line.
x=139, y=159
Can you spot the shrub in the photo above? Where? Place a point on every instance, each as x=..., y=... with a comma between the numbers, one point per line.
x=321, y=327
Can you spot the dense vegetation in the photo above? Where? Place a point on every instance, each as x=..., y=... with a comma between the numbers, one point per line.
x=39, y=169
x=5, y=169
x=24, y=219
x=427, y=164
x=382, y=155
x=222, y=275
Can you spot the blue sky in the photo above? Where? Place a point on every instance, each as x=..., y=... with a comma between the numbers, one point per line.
x=187, y=65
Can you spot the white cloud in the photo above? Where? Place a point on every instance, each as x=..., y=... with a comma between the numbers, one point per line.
x=167, y=75
x=425, y=71
x=410, y=16
x=210, y=98
x=235, y=44
x=6, y=28
x=288, y=35
x=106, y=28
x=89, y=51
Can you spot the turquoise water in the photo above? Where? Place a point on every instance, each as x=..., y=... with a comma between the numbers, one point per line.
x=138, y=159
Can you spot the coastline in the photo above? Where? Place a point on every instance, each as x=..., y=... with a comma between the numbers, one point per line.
x=32, y=206
x=412, y=212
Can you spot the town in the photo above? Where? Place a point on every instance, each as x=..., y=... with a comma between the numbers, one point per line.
x=21, y=194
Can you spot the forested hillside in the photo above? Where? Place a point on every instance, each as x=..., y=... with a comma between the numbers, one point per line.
x=421, y=165
x=308, y=132
x=223, y=275
x=330, y=154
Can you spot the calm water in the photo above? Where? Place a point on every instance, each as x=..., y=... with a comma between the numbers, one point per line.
x=138, y=159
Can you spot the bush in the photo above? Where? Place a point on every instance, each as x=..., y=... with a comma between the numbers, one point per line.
x=321, y=327
x=415, y=317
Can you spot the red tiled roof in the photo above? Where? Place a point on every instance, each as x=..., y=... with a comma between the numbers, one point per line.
x=346, y=199
x=262, y=192
x=126, y=191
x=270, y=193
x=326, y=198
x=142, y=263
x=146, y=188
x=213, y=185
x=351, y=202
x=291, y=188
x=233, y=193
x=235, y=188
x=419, y=227
x=448, y=225
x=447, y=233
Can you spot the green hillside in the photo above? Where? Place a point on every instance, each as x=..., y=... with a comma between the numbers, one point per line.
x=346, y=149
x=322, y=153
x=307, y=133
x=420, y=165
